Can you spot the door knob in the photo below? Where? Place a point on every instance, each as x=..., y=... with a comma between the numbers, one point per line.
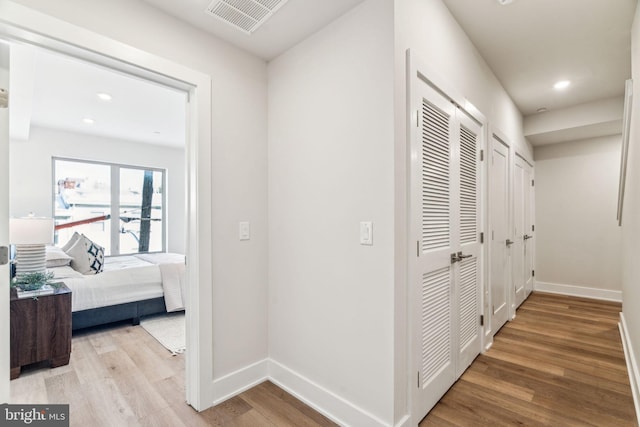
x=461, y=257
x=509, y=242
x=527, y=237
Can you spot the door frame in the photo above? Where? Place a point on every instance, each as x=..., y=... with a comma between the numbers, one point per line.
x=5, y=355
x=417, y=69
x=21, y=24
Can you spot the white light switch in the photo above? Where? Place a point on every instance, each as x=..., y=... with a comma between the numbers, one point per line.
x=366, y=233
x=244, y=230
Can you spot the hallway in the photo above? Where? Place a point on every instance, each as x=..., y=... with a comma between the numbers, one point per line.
x=559, y=363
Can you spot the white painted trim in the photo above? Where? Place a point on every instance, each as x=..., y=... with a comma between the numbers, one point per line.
x=632, y=365
x=241, y=380
x=25, y=25
x=329, y=404
x=578, y=291
x=404, y=422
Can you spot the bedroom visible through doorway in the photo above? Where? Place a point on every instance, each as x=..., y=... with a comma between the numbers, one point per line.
x=73, y=111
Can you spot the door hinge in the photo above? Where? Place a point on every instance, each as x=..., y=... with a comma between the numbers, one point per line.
x=4, y=98
x=481, y=237
x=533, y=228
x=4, y=255
x=482, y=320
x=533, y=273
x=417, y=118
x=533, y=183
x=482, y=155
x=418, y=379
x=418, y=248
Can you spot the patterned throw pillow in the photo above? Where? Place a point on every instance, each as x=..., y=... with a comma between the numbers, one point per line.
x=88, y=257
x=96, y=257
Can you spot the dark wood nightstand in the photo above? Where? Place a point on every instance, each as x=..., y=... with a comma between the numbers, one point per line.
x=40, y=329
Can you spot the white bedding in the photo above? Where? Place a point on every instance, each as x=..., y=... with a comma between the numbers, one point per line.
x=172, y=271
x=124, y=279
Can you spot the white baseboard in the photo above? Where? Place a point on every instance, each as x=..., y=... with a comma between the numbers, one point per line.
x=241, y=380
x=322, y=400
x=632, y=366
x=579, y=291
x=329, y=404
x=404, y=422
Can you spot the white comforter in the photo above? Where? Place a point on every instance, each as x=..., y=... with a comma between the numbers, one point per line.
x=127, y=279
x=172, y=270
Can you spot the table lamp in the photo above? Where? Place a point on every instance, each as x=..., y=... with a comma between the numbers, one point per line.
x=30, y=235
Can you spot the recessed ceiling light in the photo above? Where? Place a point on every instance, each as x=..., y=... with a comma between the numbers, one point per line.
x=562, y=84
x=104, y=96
x=88, y=121
x=156, y=132
x=542, y=110
x=505, y=2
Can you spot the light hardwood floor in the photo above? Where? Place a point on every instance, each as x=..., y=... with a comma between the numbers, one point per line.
x=559, y=363
x=121, y=376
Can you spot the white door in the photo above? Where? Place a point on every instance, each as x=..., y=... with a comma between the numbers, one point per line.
x=4, y=225
x=499, y=256
x=433, y=218
x=445, y=214
x=519, y=230
x=529, y=230
x=468, y=274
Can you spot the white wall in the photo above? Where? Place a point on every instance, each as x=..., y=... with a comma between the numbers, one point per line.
x=330, y=167
x=433, y=35
x=578, y=241
x=31, y=192
x=631, y=213
x=239, y=160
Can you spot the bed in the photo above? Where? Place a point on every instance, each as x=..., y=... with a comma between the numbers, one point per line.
x=128, y=288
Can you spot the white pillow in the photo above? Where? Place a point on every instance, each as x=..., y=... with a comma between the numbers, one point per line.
x=56, y=257
x=72, y=241
x=88, y=257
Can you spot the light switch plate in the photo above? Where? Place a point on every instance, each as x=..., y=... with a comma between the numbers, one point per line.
x=244, y=230
x=366, y=233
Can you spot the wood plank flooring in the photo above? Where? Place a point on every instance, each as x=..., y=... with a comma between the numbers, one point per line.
x=121, y=376
x=559, y=363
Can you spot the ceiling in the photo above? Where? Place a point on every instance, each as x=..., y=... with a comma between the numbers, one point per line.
x=292, y=23
x=531, y=44
x=54, y=91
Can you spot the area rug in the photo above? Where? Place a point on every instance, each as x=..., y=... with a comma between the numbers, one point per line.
x=168, y=329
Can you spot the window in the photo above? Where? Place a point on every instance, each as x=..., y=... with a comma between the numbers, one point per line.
x=120, y=207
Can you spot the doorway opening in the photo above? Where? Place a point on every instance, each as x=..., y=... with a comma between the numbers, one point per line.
x=17, y=28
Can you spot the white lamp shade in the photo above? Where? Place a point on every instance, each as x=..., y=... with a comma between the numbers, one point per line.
x=30, y=231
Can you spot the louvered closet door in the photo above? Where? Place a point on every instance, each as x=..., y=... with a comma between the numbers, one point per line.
x=433, y=205
x=468, y=271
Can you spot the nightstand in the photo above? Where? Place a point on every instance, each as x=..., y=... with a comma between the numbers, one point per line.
x=40, y=329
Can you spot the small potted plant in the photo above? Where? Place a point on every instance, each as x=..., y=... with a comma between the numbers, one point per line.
x=33, y=284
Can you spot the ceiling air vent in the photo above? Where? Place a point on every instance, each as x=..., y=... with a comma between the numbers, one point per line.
x=246, y=15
